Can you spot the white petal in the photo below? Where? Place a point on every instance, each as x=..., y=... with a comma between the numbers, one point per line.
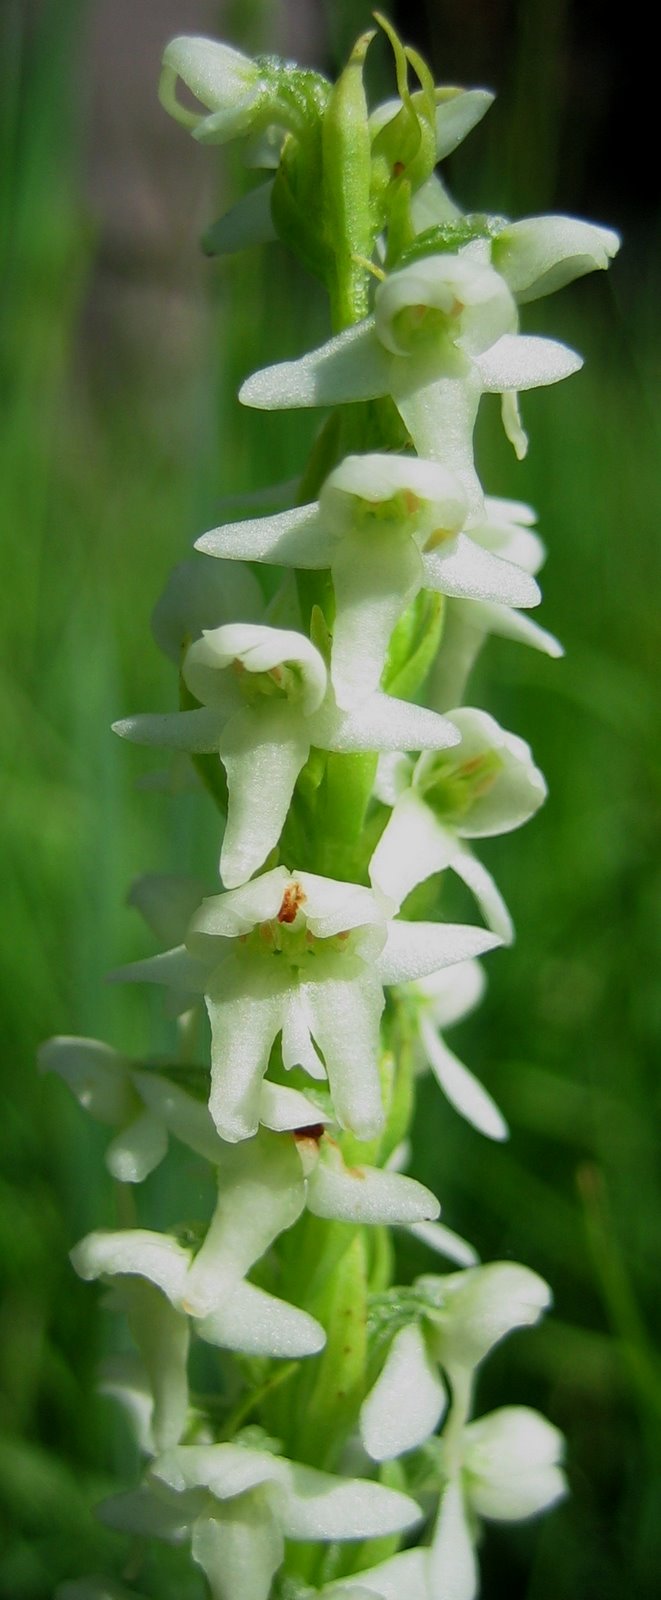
x=460, y=1087
x=175, y=969
x=378, y=476
x=239, y=1549
x=162, y=1336
x=245, y=1012
x=185, y=1116
x=373, y=586
x=394, y=776
x=414, y=949
x=365, y=1194
x=260, y=1195
x=513, y=1461
x=223, y=79
x=445, y=1242
x=298, y=1049
x=345, y=1020
x=403, y=1577
x=482, y=1305
x=463, y=570
x=431, y=204
x=523, y=361
x=332, y=906
x=229, y=915
x=320, y=1506
x=451, y=994
x=413, y=845
x=465, y=629
x=502, y=511
x=226, y=1470
x=282, y=1108
x=452, y=1564
x=96, y=1074
x=407, y=1401
x=440, y=415
x=138, y=1250
x=123, y=1379
x=138, y=1149
x=352, y=366
x=293, y=538
x=197, y=730
x=539, y=255
x=457, y=115
x=263, y=749
x=518, y=788
x=511, y=624
x=256, y=1323
x=382, y=722
x=480, y=882
x=259, y=649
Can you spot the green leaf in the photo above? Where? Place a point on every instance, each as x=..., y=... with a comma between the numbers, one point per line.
x=413, y=645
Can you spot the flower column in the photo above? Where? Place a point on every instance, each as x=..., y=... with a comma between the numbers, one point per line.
x=339, y=793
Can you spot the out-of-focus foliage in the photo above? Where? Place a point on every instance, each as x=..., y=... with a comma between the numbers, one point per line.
x=100, y=490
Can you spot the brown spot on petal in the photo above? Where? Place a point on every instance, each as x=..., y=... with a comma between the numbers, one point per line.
x=398, y=168
x=293, y=898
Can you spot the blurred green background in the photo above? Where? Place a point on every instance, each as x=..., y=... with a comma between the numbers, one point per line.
x=120, y=356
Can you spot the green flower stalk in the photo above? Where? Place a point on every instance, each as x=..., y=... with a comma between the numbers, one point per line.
x=337, y=1454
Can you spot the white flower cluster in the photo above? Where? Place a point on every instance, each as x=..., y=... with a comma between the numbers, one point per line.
x=341, y=795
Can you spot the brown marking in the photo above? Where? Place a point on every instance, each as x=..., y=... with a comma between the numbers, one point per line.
x=314, y=1133
x=293, y=898
x=411, y=501
x=398, y=168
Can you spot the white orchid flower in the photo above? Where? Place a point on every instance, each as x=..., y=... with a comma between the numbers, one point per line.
x=506, y=1467
x=263, y=1186
x=387, y=526
x=264, y=702
x=440, y=1001
x=226, y=82
x=454, y=1322
x=489, y=785
x=239, y=1504
x=307, y=957
x=443, y=333
x=260, y=1193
